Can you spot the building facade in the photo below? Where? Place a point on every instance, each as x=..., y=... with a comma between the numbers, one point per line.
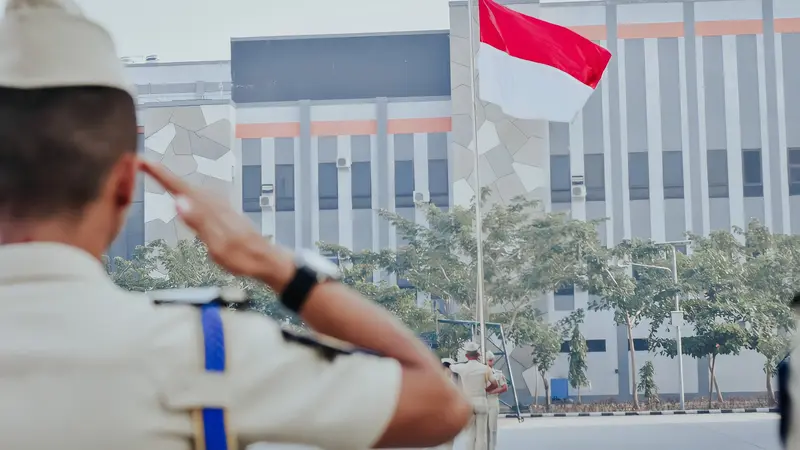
x=690, y=130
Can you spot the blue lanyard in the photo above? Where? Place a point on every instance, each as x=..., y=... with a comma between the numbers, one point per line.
x=215, y=435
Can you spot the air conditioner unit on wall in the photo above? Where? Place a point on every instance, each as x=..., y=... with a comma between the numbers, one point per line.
x=578, y=187
x=343, y=163
x=422, y=197
x=578, y=192
x=265, y=201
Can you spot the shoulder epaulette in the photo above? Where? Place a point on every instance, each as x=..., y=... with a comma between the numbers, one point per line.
x=328, y=348
x=200, y=296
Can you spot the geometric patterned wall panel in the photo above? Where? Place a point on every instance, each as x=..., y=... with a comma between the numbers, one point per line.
x=513, y=152
x=196, y=143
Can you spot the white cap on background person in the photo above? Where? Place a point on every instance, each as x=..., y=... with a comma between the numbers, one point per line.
x=51, y=43
x=489, y=356
x=471, y=347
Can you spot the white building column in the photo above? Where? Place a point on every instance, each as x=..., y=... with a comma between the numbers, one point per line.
x=654, y=141
x=268, y=178
x=421, y=183
x=345, y=179
x=576, y=168
x=733, y=132
x=313, y=185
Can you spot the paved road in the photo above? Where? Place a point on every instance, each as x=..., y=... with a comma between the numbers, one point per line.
x=705, y=432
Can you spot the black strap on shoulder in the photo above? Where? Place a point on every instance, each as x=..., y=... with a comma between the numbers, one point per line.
x=327, y=350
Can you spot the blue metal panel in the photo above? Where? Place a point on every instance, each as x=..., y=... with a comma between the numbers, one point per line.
x=559, y=388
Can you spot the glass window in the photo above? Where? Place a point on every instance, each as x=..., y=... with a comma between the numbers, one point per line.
x=560, y=181
x=717, y=173
x=284, y=187
x=596, y=345
x=595, y=177
x=404, y=184
x=438, y=182
x=251, y=188
x=328, y=186
x=751, y=173
x=564, y=347
x=564, y=303
x=362, y=185
x=673, y=174
x=638, y=176
x=567, y=289
x=794, y=171
x=639, y=345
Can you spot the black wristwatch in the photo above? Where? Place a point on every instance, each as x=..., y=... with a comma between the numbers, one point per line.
x=312, y=269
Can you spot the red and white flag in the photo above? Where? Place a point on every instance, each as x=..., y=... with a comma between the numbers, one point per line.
x=534, y=69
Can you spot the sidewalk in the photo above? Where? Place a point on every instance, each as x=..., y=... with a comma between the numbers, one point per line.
x=648, y=413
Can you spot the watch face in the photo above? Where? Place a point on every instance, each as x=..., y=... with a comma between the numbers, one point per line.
x=325, y=269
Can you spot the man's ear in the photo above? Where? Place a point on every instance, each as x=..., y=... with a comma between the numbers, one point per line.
x=124, y=179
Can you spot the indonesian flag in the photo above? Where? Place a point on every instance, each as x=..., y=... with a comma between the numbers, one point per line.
x=534, y=69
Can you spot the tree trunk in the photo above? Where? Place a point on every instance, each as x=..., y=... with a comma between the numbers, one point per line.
x=579, y=396
x=712, y=365
x=770, y=391
x=719, y=393
x=536, y=393
x=547, y=400
x=633, y=363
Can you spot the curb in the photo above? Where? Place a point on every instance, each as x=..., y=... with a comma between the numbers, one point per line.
x=650, y=413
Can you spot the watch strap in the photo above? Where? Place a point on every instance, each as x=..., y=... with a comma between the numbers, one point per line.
x=297, y=291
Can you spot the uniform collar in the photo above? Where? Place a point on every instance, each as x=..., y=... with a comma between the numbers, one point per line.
x=48, y=260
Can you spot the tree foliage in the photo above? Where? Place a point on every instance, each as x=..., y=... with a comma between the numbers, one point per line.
x=647, y=382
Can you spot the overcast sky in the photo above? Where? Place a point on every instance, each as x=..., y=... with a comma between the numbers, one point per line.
x=186, y=30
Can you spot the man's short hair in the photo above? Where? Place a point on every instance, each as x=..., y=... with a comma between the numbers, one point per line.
x=58, y=145
x=473, y=354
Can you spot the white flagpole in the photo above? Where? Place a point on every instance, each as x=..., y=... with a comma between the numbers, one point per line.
x=479, y=300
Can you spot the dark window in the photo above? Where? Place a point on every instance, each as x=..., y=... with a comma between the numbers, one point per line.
x=251, y=188
x=673, y=174
x=402, y=283
x=751, y=173
x=404, y=184
x=346, y=67
x=638, y=176
x=438, y=182
x=596, y=345
x=560, y=182
x=564, y=347
x=567, y=289
x=794, y=171
x=284, y=187
x=681, y=248
x=595, y=177
x=639, y=345
x=717, y=173
x=362, y=185
x=328, y=186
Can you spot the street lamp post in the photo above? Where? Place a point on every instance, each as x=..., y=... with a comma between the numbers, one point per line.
x=677, y=314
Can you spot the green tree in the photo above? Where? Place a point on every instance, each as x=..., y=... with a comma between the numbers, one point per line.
x=526, y=253
x=647, y=382
x=633, y=298
x=544, y=340
x=577, y=350
x=772, y=280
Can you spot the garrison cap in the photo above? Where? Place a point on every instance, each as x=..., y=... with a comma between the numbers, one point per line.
x=489, y=356
x=51, y=43
x=471, y=347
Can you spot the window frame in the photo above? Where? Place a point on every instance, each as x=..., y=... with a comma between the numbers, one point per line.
x=403, y=199
x=249, y=203
x=716, y=189
x=559, y=194
x=753, y=188
x=595, y=192
x=359, y=200
x=283, y=201
x=671, y=189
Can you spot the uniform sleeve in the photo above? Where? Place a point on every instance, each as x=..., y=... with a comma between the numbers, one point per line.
x=490, y=375
x=285, y=391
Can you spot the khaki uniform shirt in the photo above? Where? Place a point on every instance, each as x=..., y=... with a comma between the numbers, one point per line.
x=475, y=377
x=494, y=399
x=86, y=365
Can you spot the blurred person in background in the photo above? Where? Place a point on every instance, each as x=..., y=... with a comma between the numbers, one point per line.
x=477, y=379
x=494, y=399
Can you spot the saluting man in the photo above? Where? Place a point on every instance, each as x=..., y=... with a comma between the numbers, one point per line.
x=494, y=399
x=476, y=380
x=87, y=365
